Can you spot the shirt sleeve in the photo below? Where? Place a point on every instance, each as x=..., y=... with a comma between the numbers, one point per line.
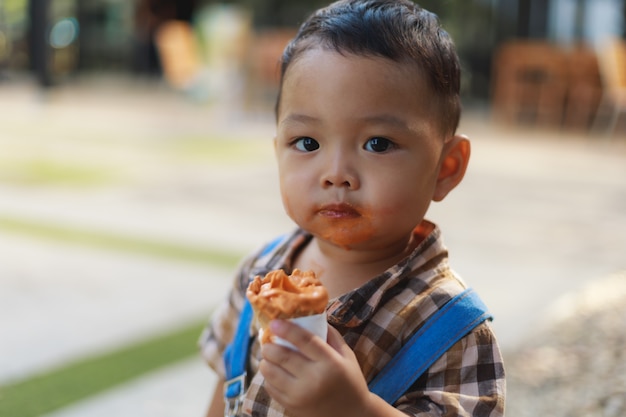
x=468, y=380
x=221, y=327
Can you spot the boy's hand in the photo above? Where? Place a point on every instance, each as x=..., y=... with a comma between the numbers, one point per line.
x=321, y=379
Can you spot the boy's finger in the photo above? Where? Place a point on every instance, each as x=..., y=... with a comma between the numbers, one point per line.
x=276, y=375
x=335, y=340
x=283, y=357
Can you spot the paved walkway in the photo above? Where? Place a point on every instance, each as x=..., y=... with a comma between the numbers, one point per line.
x=539, y=215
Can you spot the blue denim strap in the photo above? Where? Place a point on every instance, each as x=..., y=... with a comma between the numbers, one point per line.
x=442, y=330
x=236, y=353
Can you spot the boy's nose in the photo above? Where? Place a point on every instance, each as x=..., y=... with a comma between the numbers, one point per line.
x=339, y=173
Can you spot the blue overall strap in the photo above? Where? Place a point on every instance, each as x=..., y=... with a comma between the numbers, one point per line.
x=442, y=330
x=235, y=356
x=236, y=353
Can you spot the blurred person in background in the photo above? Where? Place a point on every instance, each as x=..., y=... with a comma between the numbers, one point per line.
x=149, y=16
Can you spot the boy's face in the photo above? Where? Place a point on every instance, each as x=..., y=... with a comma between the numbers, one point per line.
x=359, y=148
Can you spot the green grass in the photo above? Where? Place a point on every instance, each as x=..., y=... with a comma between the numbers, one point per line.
x=118, y=242
x=47, y=172
x=60, y=387
x=224, y=150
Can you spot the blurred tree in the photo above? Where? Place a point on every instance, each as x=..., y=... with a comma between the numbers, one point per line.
x=472, y=25
x=39, y=11
x=281, y=13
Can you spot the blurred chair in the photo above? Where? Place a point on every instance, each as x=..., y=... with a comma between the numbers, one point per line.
x=263, y=65
x=584, y=88
x=612, y=64
x=529, y=83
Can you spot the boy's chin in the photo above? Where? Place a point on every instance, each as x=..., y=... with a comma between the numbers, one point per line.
x=346, y=235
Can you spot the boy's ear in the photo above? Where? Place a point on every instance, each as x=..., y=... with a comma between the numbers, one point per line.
x=456, y=154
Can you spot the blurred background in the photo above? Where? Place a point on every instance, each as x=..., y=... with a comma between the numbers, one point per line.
x=136, y=170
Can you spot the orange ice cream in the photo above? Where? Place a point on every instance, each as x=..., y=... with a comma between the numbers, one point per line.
x=278, y=296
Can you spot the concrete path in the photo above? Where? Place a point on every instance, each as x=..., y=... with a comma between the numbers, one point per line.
x=539, y=215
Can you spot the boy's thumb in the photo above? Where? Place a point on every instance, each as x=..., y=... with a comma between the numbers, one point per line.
x=334, y=339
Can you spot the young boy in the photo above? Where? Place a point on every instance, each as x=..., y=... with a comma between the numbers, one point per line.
x=366, y=120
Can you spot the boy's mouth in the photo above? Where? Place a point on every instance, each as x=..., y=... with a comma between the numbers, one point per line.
x=339, y=211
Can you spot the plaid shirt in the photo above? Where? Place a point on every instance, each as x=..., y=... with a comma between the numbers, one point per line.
x=375, y=321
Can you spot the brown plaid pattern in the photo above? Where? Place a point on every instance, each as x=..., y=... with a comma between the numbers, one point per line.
x=376, y=320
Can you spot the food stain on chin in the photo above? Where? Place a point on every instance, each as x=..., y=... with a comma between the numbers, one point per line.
x=344, y=228
x=346, y=232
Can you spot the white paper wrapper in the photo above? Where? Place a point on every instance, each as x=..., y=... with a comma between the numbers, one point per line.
x=316, y=324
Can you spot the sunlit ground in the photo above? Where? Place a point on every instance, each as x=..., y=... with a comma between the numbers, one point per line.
x=125, y=205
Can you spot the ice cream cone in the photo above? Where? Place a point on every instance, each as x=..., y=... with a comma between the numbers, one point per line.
x=278, y=296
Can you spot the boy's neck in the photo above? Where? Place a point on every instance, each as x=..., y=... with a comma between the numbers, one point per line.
x=342, y=270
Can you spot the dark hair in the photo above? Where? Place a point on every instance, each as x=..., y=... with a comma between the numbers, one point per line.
x=399, y=30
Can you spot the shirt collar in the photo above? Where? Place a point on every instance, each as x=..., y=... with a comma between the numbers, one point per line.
x=355, y=307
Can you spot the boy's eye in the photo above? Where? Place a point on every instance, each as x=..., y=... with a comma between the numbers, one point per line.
x=306, y=144
x=378, y=145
